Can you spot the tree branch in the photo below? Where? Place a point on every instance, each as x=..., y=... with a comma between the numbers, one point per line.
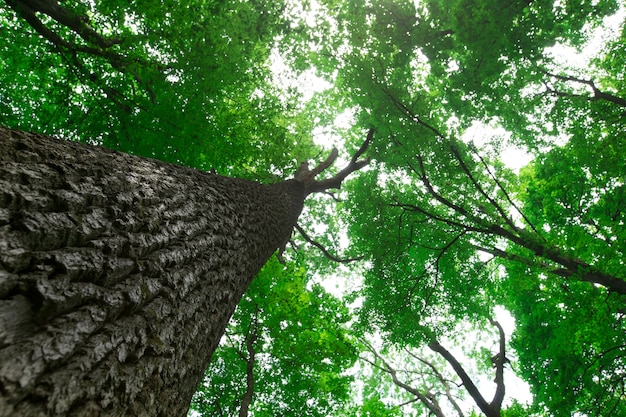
x=307, y=176
x=445, y=382
x=470, y=387
x=251, y=338
x=324, y=250
x=504, y=191
x=481, y=190
x=597, y=93
x=500, y=360
x=78, y=24
x=96, y=44
x=430, y=403
x=572, y=267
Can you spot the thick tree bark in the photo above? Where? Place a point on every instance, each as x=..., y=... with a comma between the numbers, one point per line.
x=118, y=274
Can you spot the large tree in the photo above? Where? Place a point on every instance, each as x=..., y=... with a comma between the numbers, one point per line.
x=119, y=274
x=447, y=230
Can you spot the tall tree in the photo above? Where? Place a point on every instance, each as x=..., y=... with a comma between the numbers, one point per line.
x=119, y=274
x=449, y=231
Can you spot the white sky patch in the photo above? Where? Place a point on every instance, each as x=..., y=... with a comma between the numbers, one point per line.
x=569, y=57
x=495, y=141
x=307, y=83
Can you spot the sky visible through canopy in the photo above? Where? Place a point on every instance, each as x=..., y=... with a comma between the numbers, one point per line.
x=495, y=192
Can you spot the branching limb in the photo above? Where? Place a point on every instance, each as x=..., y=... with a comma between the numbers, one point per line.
x=78, y=24
x=481, y=190
x=95, y=43
x=597, y=93
x=324, y=250
x=430, y=403
x=471, y=388
x=505, y=192
x=498, y=361
x=307, y=176
x=493, y=408
x=443, y=380
x=570, y=267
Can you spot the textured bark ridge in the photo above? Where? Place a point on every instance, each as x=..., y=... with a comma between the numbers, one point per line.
x=118, y=274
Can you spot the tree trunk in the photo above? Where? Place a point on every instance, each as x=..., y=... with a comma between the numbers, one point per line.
x=118, y=274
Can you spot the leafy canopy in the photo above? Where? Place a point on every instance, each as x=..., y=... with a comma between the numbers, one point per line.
x=446, y=230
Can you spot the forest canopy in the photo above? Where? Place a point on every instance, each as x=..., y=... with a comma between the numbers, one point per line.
x=495, y=186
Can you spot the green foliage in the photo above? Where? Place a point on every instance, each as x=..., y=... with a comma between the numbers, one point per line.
x=302, y=352
x=189, y=83
x=431, y=205
x=569, y=340
x=519, y=410
x=374, y=407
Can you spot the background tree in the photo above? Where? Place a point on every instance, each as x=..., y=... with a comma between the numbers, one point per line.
x=436, y=381
x=441, y=216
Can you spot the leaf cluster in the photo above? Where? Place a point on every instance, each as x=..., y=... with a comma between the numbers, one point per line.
x=302, y=350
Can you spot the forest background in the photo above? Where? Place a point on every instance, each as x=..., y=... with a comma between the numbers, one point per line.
x=431, y=240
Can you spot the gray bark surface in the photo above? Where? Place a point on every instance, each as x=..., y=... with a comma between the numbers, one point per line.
x=118, y=274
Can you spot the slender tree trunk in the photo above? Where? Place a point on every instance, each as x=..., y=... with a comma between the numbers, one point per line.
x=118, y=274
x=250, y=358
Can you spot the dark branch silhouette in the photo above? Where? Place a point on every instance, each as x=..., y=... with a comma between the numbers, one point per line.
x=494, y=407
x=314, y=186
x=496, y=222
x=430, y=401
x=597, y=93
x=95, y=43
x=325, y=251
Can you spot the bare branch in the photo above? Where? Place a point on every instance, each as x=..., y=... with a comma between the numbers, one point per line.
x=333, y=196
x=408, y=402
x=306, y=176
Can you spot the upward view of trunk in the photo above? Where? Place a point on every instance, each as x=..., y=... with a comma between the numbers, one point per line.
x=118, y=274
